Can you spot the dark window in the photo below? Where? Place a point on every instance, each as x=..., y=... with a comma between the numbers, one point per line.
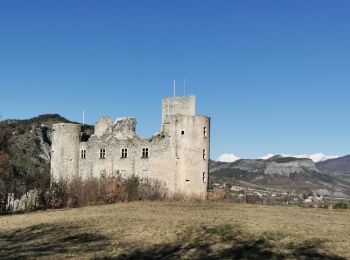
x=102, y=153
x=182, y=132
x=204, y=154
x=83, y=154
x=144, y=152
x=124, y=153
x=203, y=177
x=205, y=132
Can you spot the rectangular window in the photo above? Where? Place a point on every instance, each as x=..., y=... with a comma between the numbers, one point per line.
x=102, y=153
x=205, y=132
x=204, y=154
x=182, y=132
x=203, y=177
x=144, y=152
x=83, y=154
x=124, y=153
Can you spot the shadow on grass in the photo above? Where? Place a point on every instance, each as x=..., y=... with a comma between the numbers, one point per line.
x=221, y=242
x=227, y=242
x=49, y=240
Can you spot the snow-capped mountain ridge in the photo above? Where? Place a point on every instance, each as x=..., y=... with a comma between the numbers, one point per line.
x=317, y=157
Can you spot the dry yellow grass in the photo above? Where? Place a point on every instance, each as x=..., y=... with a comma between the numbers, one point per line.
x=178, y=230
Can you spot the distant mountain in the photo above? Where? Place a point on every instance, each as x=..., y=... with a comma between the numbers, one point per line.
x=285, y=173
x=317, y=157
x=339, y=165
x=228, y=158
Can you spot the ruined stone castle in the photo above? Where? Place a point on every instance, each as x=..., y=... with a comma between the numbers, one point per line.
x=178, y=155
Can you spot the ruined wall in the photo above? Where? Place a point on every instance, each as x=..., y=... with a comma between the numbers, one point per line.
x=157, y=165
x=175, y=156
x=103, y=125
x=65, y=150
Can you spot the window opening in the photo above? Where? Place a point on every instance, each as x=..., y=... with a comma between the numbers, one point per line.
x=124, y=153
x=144, y=152
x=102, y=153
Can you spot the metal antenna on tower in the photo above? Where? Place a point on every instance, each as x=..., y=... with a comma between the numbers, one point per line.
x=83, y=117
x=184, y=87
x=174, y=88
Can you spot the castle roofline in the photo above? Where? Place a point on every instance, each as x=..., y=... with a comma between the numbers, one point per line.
x=180, y=97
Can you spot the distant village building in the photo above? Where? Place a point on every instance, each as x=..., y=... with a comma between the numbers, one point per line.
x=178, y=156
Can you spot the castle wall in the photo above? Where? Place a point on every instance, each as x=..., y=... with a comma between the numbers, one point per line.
x=156, y=166
x=65, y=150
x=175, y=156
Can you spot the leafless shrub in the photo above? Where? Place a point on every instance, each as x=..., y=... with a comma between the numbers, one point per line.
x=59, y=191
x=218, y=195
x=76, y=193
x=109, y=188
x=92, y=188
x=152, y=189
x=131, y=185
x=182, y=196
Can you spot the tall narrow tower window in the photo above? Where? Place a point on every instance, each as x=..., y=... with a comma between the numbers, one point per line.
x=83, y=154
x=124, y=153
x=204, y=154
x=203, y=177
x=205, y=132
x=102, y=153
x=144, y=152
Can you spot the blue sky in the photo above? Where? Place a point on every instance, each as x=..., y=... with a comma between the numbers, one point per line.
x=273, y=75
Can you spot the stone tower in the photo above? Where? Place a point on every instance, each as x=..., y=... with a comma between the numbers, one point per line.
x=65, y=150
x=189, y=142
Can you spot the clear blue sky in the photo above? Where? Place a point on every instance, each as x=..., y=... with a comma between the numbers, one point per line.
x=273, y=75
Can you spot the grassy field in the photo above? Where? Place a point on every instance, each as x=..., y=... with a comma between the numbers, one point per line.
x=175, y=230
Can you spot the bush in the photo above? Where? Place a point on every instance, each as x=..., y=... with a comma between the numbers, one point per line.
x=132, y=185
x=110, y=188
x=182, y=196
x=340, y=205
x=218, y=195
x=152, y=190
x=58, y=194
